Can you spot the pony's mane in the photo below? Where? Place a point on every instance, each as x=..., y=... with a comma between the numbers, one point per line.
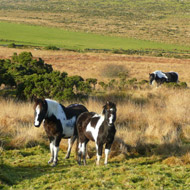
x=160, y=74
x=73, y=105
x=174, y=72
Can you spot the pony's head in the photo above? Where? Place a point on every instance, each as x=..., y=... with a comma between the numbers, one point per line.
x=40, y=110
x=109, y=110
x=151, y=77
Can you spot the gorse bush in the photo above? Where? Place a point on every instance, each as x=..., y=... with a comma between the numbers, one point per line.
x=34, y=77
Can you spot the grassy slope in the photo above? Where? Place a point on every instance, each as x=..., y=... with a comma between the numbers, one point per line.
x=162, y=21
x=43, y=36
x=28, y=168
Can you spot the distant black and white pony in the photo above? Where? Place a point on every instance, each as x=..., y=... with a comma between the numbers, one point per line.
x=161, y=77
x=98, y=128
x=59, y=122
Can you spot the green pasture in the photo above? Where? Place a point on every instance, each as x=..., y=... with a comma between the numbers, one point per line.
x=45, y=36
x=28, y=169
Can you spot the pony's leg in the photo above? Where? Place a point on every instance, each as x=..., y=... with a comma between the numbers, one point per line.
x=68, y=149
x=107, y=151
x=56, y=150
x=99, y=148
x=51, y=146
x=70, y=144
x=79, y=152
x=82, y=151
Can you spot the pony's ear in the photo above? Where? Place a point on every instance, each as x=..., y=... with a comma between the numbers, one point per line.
x=104, y=110
x=43, y=100
x=33, y=98
x=107, y=102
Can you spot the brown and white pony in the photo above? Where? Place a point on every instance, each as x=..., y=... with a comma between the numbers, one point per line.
x=59, y=122
x=98, y=128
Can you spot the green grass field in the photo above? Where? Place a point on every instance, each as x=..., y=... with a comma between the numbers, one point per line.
x=44, y=36
x=162, y=21
x=28, y=169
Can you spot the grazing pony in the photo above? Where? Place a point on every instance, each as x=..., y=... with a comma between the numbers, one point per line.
x=59, y=122
x=98, y=128
x=161, y=77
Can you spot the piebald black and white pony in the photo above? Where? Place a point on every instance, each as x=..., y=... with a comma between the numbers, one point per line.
x=161, y=77
x=98, y=128
x=59, y=122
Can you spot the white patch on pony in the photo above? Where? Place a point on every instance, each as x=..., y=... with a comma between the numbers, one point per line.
x=95, y=131
x=98, y=159
x=111, y=117
x=69, y=145
x=81, y=148
x=160, y=74
x=54, y=108
x=51, y=146
x=106, y=155
x=56, y=150
x=36, y=122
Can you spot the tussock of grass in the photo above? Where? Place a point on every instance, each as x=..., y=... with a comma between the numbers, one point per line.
x=182, y=160
x=113, y=71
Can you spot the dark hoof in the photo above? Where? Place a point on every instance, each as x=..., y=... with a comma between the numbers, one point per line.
x=54, y=164
x=50, y=161
x=67, y=157
x=79, y=163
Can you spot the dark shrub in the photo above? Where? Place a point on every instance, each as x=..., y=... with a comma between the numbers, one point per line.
x=50, y=47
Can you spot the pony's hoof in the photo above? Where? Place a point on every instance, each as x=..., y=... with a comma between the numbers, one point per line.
x=54, y=164
x=79, y=163
x=97, y=163
x=66, y=157
x=50, y=161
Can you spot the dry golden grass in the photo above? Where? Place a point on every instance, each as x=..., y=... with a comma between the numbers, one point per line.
x=163, y=122
x=92, y=65
x=16, y=124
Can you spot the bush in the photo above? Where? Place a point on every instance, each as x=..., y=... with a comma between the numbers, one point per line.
x=182, y=85
x=50, y=47
x=34, y=77
x=12, y=45
x=92, y=81
x=112, y=71
x=142, y=82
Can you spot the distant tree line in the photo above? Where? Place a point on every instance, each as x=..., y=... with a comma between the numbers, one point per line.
x=30, y=76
